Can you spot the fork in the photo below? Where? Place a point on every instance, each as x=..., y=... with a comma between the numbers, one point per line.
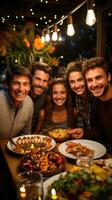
x=12, y=141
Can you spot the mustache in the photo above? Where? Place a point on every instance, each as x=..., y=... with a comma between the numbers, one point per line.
x=41, y=87
x=95, y=87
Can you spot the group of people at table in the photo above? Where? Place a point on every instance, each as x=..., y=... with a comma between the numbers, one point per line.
x=80, y=101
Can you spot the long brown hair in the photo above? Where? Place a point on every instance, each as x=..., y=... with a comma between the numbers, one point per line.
x=68, y=104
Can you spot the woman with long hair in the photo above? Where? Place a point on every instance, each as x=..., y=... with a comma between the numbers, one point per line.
x=59, y=112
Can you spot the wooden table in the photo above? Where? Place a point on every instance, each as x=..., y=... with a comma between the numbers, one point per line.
x=12, y=160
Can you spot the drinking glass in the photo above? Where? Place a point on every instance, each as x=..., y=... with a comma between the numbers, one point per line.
x=84, y=161
x=30, y=186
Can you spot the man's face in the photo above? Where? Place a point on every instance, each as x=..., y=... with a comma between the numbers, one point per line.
x=77, y=83
x=19, y=88
x=97, y=81
x=59, y=94
x=40, y=82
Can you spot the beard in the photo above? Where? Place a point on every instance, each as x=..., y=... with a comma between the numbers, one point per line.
x=105, y=90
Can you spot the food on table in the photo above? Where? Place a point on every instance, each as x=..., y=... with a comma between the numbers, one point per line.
x=46, y=162
x=59, y=134
x=105, y=164
x=81, y=186
x=31, y=143
x=108, y=162
x=77, y=148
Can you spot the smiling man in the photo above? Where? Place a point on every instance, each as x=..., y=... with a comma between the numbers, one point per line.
x=41, y=74
x=98, y=81
x=16, y=107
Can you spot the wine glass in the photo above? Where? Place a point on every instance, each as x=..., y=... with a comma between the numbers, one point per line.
x=30, y=186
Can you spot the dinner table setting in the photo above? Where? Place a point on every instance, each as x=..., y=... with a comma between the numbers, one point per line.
x=58, y=167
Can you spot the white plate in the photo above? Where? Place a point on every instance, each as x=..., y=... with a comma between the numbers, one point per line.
x=49, y=181
x=98, y=148
x=10, y=146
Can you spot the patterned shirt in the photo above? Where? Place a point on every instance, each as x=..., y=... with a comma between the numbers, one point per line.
x=84, y=107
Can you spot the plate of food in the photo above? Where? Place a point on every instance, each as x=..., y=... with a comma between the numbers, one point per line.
x=27, y=143
x=59, y=134
x=48, y=163
x=86, y=147
x=78, y=185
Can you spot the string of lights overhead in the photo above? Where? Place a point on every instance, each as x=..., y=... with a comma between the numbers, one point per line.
x=90, y=21
x=52, y=32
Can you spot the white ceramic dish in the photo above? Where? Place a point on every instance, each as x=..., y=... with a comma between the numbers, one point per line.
x=49, y=181
x=98, y=148
x=11, y=146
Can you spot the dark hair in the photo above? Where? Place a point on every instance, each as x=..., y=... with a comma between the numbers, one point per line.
x=50, y=105
x=94, y=62
x=57, y=80
x=20, y=71
x=43, y=67
x=73, y=67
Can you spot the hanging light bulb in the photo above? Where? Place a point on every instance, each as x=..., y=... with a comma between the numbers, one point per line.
x=70, y=28
x=47, y=36
x=90, y=18
x=60, y=37
x=42, y=37
x=55, y=34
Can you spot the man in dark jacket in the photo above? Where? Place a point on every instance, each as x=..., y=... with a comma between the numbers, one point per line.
x=41, y=74
x=98, y=80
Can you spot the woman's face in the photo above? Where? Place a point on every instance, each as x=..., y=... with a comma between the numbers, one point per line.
x=77, y=82
x=59, y=94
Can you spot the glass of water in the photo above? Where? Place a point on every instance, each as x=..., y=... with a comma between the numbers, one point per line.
x=30, y=186
x=84, y=161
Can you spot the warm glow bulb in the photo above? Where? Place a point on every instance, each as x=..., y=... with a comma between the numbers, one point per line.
x=90, y=18
x=70, y=30
x=54, y=36
x=60, y=38
x=47, y=37
x=42, y=39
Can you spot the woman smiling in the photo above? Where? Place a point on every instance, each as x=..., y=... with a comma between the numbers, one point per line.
x=59, y=112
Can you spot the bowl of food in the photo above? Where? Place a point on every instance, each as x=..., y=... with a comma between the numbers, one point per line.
x=48, y=163
x=59, y=135
x=80, y=185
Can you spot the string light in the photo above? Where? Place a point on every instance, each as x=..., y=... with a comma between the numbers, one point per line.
x=43, y=37
x=59, y=38
x=90, y=18
x=70, y=27
x=47, y=36
x=70, y=31
x=55, y=34
x=70, y=13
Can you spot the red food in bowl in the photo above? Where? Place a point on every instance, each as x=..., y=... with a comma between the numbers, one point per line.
x=48, y=163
